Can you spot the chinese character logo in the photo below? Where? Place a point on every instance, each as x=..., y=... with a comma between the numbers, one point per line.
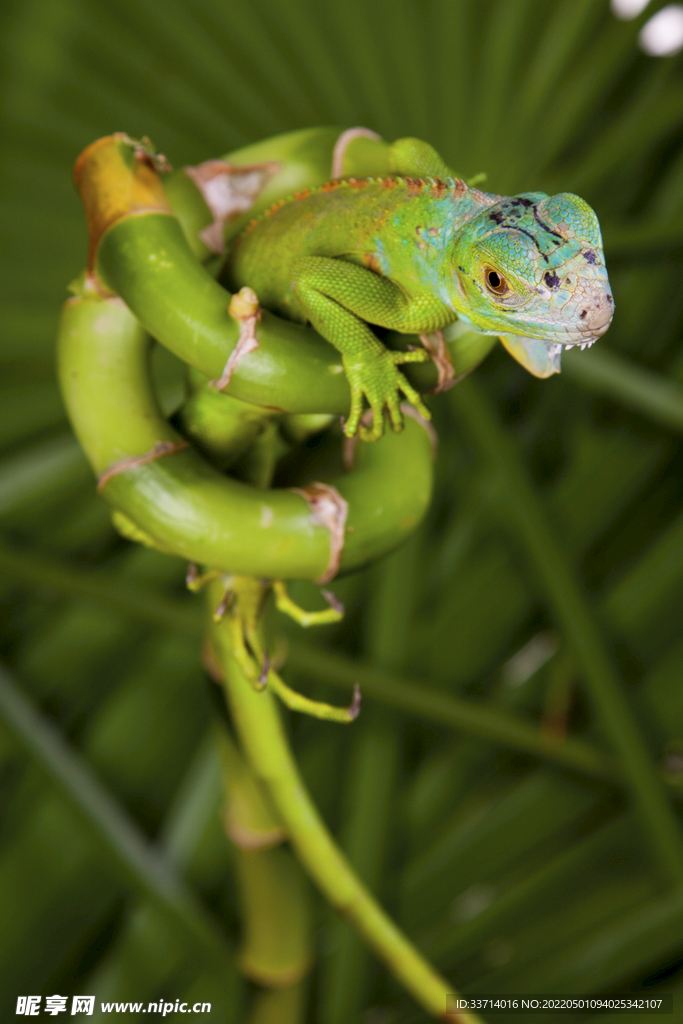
x=55, y=1005
x=83, y=1004
x=28, y=1006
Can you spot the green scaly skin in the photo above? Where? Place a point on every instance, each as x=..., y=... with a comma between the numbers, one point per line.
x=413, y=255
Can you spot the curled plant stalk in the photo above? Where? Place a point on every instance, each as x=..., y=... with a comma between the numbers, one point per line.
x=257, y=386
x=276, y=948
x=258, y=723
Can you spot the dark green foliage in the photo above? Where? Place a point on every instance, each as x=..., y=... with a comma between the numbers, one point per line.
x=512, y=874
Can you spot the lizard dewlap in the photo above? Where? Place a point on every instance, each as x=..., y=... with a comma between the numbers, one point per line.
x=413, y=255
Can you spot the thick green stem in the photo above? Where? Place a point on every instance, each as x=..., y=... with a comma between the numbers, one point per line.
x=369, y=790
x=365, y=835
x=185, y=507
x=258, y=723
x=280, y=1005
x=276, y=948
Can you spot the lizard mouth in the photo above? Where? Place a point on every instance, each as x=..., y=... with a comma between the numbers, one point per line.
x=596, y=327
x=599, y=321
x=566, y=345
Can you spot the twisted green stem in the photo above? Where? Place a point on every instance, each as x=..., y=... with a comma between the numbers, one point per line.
x=260, y=729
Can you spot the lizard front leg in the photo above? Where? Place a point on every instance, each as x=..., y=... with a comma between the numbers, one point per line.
x=338, y=298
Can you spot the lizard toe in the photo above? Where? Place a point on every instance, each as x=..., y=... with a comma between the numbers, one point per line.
x=416, y=355
x=395, y=414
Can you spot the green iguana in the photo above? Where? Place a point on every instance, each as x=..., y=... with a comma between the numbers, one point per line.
x=412, y=254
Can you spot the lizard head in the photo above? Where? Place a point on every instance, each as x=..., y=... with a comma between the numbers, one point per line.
x=533, y=265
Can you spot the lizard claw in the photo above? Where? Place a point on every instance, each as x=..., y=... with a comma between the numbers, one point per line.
x=381, y=382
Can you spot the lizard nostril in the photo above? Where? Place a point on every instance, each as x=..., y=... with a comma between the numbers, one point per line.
x=584, y=313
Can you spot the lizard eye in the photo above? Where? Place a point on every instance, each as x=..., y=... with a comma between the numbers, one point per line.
x=495, y=282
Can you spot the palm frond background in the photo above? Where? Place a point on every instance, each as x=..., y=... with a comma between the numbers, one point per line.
x=513, y=873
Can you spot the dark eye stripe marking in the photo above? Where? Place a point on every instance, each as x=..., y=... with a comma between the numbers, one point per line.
x=522, y=231
x=545, y=227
